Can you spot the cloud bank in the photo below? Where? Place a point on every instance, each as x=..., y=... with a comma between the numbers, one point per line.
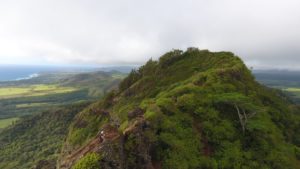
x=110, y=32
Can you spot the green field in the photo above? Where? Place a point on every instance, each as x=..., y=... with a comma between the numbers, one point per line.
x=28, y=105
x=33, y=90
x=294, y=91
x=6, y=122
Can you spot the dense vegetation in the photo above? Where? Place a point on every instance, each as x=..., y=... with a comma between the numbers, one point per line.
x=36, y=138
x=190, y=110
x=90, y=161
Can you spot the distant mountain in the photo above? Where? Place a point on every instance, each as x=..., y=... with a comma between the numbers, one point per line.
x=277, y=77
x=122, y=69
x=98, y=83
x=286, y=81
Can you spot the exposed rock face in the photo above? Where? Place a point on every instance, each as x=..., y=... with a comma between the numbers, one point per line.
x=138, y=157
x=111, y=152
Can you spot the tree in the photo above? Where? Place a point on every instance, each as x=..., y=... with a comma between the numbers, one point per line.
x=242, y=104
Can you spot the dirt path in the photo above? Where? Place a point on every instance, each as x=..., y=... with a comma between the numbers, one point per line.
x=107, y=134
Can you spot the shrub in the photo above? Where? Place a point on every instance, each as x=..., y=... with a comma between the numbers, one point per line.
x=90, y=161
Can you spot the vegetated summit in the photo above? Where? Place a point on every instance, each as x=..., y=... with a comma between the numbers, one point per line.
x=188, y=110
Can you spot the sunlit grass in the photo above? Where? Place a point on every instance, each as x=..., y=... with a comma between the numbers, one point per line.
x=27, y=105
x=292, y=89
x=119, y=76
x=6, y=122
x=33, y=90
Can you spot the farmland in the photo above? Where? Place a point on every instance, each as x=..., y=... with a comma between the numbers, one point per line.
x=286, y=81
x=43, y=93
x=33, y=90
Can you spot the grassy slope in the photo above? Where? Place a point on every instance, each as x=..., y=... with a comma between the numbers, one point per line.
x=7, y=122
x=33, y=90
x=190, y=101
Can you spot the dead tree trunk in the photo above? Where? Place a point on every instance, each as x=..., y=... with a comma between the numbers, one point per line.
x=242, y=119
x=245, y=116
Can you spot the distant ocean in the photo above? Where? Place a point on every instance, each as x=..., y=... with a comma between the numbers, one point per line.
x=17, y=72
x=13, y=72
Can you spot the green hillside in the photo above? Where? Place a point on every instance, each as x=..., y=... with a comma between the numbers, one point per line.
x=36, y=138
x=188, y=110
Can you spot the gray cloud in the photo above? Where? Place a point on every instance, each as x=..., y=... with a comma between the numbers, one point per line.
x=264, y=33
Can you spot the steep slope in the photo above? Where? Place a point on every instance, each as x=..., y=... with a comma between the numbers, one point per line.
x=189, y=110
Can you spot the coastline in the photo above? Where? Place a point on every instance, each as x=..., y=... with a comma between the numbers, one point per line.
x=34, y=75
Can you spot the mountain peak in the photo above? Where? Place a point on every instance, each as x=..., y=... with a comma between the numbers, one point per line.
x=190, y=109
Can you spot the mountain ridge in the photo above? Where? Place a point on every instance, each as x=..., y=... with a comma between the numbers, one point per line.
x=189, y=109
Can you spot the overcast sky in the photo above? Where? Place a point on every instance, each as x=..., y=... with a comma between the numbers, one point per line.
x=265, y=33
